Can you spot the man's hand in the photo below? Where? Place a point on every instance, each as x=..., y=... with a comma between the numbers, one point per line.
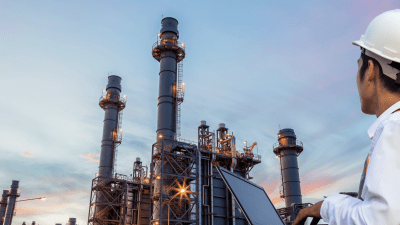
x=312, y=211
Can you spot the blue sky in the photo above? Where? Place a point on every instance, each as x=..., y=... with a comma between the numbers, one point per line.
x=255, y=66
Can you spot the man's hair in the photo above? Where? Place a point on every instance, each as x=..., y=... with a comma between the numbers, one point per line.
x=388, y=82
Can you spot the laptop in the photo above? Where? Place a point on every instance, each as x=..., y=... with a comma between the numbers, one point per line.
x=252, y=199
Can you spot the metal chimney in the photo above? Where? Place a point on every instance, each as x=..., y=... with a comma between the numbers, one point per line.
x=112, y=104
x=72, y=221
x=168, y=52
x=287, y=149
x=12, y=197
x=3, y=206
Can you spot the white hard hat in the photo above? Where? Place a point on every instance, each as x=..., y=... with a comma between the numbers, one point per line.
x=382, y=36
x=382, y=41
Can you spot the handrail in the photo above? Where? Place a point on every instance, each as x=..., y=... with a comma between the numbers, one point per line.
x=168, y=41
x=122, y=98
x=277, y=144
x=187, y=141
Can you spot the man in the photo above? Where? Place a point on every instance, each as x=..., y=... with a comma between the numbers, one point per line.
x=378, y=83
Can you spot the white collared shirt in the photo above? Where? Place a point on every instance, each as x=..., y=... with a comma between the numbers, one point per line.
x=381, y=190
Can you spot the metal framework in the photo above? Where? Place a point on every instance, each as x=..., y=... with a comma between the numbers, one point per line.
x=219, y=148
x=126, y=201
x=175, y=200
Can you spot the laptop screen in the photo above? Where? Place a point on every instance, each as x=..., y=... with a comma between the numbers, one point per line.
x=252, y=199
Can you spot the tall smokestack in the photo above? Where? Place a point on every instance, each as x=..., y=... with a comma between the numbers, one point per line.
x=12, y=197
x=287, y=149
x=112, y=104
x=168, y=52
x=3, y=206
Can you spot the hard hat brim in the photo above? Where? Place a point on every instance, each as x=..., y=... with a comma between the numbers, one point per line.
x=379, y=53
x=357, y=43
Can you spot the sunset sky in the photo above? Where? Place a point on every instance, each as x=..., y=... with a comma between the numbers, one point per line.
x=256, y=66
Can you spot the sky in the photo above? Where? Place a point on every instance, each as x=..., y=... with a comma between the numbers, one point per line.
x=256, y=66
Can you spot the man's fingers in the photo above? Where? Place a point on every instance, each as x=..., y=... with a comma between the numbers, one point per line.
x=314, y=221
x=300, y=218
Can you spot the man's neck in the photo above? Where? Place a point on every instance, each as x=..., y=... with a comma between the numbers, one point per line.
x=385, y=100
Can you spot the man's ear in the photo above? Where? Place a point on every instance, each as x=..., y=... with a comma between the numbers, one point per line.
x=370, y=73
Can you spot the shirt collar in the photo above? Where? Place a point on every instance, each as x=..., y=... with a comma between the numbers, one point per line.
x=384, y=115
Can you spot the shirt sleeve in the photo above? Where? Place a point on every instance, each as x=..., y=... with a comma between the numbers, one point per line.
x=381, y=193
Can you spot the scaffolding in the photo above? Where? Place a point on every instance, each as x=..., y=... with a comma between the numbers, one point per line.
x=126, y=201
x=176, y=197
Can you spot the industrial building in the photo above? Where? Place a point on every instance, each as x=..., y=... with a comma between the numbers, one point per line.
x=183, y=184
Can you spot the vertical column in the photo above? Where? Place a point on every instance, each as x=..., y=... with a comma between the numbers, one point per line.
x=111, y=107
x=3, y=206
x=166, y=122
x=12, y=197
x=288, y=149
x=168, y=52
x=112, y=103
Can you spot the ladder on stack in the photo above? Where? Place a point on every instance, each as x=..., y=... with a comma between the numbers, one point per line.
x=180, y=92
x=117, y=140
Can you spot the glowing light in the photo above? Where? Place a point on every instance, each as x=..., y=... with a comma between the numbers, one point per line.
x=160, y=136
x=159, y=34
x=244, y=142
x=182, y=44
x=158, y=177
x=183, y=190
x=147, y=180
x=43, y=198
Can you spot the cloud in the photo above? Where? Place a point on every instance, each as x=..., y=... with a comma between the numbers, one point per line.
x=91, y=157
x=26, y=154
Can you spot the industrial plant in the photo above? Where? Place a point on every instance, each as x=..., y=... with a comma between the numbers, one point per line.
x=182, y=185
x=187, y=182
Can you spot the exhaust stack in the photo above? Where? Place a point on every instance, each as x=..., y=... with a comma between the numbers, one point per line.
x=168, y=51
x=113, y=104
x=3, y=206
x=12, y=198
x=288, y=149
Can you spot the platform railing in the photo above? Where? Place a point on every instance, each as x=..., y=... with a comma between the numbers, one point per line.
x=278, y=144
